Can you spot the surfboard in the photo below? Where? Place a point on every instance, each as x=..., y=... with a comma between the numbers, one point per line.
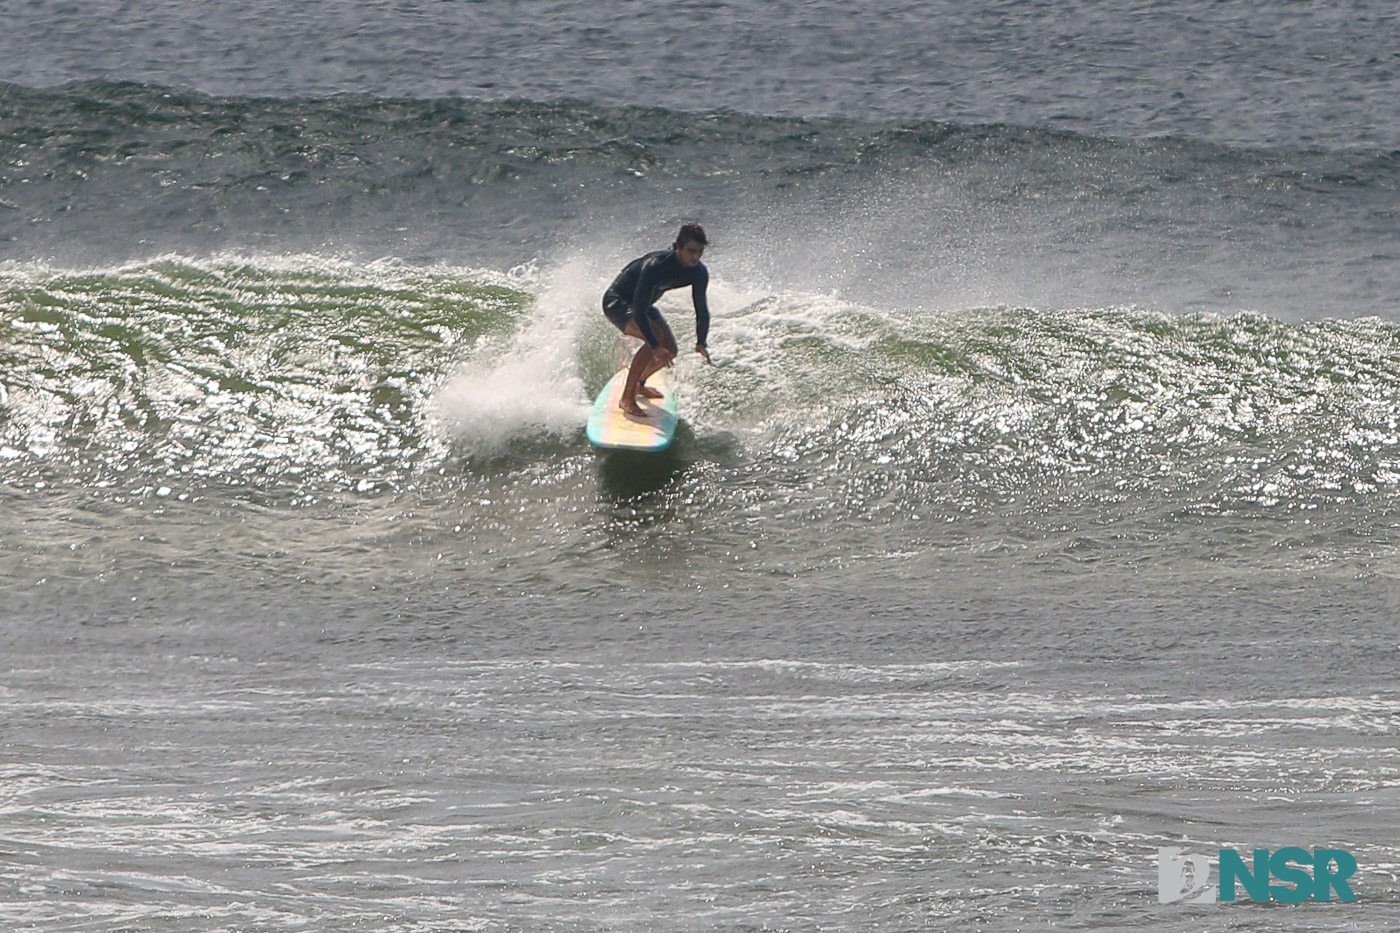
x=609, y=427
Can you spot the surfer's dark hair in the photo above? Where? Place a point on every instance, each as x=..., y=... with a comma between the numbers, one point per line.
x=691, y=233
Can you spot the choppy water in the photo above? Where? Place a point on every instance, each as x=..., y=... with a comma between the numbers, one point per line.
x=1038, y=513
x=1258, y=75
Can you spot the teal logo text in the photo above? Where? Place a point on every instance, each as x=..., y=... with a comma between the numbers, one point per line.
x=1281, y=876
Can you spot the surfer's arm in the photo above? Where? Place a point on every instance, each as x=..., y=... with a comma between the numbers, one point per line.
x=702, y=308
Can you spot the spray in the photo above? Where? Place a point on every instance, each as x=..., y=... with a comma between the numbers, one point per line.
x=531, y=385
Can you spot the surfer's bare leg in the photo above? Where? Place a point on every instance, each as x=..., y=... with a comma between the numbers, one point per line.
x=634, y=378
x=633, y=387
x=662, y=332
x=668, y=340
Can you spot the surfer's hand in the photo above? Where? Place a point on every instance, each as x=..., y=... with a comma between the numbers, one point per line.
x=704, y=351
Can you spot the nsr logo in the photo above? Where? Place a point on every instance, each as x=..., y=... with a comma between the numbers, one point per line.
x=1185, y=879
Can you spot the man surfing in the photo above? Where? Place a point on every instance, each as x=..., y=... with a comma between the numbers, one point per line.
x=630, y=300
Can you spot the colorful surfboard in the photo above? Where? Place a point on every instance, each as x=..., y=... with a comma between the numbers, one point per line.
x=609, y=427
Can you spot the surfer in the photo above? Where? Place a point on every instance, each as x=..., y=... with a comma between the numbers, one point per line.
x=629, y=303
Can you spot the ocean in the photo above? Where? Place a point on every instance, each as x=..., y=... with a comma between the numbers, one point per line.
x=1038, y=514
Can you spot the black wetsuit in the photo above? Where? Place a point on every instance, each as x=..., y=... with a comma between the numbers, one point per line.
x=633, y=293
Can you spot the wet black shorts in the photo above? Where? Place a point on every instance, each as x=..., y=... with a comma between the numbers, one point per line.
x=620, y=312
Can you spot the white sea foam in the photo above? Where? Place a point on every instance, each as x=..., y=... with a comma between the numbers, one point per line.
x=531, y=385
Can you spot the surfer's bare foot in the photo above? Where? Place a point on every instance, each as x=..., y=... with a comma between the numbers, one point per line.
x=648, y=392
x=630, y=407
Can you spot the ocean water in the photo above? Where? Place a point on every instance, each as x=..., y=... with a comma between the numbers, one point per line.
x=1039, y=510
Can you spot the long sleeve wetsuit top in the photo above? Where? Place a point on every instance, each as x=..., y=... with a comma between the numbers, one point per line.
x=643, y=281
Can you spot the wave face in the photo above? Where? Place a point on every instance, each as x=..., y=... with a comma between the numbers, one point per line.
x=834, y=440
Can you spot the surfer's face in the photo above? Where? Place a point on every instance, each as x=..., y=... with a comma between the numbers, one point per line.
x=689, y=253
